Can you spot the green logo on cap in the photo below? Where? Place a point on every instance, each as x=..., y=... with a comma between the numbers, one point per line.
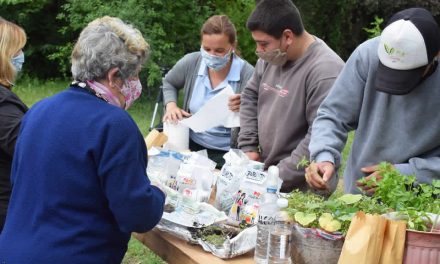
x=390, y=51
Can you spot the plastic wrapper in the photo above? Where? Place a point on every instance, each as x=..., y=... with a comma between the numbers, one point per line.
x=319, y=233
x=238, y=245
x=191, y=174
x=190, y=220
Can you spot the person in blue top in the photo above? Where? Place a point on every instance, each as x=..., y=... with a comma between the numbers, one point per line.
x=79, y=183
x=204, y=74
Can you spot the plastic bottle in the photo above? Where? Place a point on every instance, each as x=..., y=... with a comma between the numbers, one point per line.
x=266, y=215
x=280, y=236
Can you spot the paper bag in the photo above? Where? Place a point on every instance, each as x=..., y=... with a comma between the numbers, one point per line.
x=155, y=139
x=363, y=243
x=393, y=242
x=373, y=239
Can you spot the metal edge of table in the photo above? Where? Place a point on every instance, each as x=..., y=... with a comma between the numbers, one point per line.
x=176, y=251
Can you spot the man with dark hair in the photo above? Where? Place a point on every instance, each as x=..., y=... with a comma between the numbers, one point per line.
x=292, y=77
x=389, y=93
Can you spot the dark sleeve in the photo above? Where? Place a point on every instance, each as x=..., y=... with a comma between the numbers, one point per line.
x=11, y=113
x=288, y=166
x=136, y=205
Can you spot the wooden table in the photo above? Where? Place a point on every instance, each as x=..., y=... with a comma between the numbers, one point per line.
x=176, y=251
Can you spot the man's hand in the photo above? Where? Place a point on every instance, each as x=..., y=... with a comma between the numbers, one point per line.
x=253, y=155
x=234, y=102
x=319, y=174
x=174, y=113
x=373, y=172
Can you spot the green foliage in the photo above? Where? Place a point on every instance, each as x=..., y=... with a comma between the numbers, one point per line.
x=170, y=31
x=303, y=163
x=340, y=22
x=374, y=30
x=405, y=195
x=137, y=253
x=38, y=19
x=238, y=12
x=172, y=26
x=334, y=214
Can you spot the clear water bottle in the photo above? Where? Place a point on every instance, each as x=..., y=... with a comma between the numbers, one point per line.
x=280, y=236
x=266, y=216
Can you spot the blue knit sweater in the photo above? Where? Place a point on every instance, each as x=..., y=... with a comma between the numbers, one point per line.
x=79, y=184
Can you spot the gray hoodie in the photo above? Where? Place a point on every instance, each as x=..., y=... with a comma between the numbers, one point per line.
x=279, y=105
x=401, y=129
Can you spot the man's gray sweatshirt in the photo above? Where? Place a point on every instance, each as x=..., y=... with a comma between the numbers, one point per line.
x=401, y=129
x=278, y=107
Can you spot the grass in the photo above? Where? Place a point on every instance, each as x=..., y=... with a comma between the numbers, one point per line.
x=32, y=90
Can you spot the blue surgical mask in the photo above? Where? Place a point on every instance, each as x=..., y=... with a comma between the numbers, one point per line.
x=18, y=61
x=215, y=62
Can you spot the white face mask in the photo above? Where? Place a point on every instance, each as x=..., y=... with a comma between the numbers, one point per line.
x=131, y=90
x=18, y=61
x=215, y=62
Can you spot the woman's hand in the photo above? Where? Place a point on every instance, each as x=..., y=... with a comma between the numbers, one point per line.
x=174, y=113
x=234, y=102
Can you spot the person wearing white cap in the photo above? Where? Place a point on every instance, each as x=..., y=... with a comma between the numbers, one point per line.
x=389, y=93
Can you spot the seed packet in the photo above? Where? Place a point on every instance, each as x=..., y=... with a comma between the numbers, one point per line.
x=248, y=198
x=228, y=182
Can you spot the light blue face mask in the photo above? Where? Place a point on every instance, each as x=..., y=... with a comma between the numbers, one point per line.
x=18, y=61
x=215, y=62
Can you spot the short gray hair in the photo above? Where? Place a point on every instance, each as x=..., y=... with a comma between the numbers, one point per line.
x=108, y=43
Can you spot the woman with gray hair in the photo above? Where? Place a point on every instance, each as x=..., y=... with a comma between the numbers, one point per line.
x=79, y=183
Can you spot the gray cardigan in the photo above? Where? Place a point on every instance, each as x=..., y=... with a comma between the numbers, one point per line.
x=184, y=74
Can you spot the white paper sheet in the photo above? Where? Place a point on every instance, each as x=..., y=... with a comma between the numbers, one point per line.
x=214, y=113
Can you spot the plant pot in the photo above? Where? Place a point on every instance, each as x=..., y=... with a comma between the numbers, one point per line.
x=421, y=247
x=315, y=250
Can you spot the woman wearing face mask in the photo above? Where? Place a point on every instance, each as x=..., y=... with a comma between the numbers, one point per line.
x=79, y=172
x=204, y=74
x=12, y=109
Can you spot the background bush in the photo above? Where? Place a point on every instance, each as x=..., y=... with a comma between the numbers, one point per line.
x=172, y=26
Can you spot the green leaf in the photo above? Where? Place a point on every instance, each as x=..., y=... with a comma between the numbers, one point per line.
x=346, y=217
x=304, y=219
x=350, y=198
x=387, y=49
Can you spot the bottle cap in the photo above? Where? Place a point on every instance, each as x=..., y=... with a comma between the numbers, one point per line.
x=272, y=179
x=282, y=202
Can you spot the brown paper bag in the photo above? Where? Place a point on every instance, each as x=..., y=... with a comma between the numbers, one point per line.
x=373, y=239
x=363, y=243
x=155, y=139
x=393, y=242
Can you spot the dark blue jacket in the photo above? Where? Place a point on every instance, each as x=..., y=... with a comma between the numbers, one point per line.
x=79, y=184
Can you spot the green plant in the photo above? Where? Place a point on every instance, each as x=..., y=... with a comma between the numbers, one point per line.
x=333, y=214
x=402, y=193
x=374, y=30
x=303, y=163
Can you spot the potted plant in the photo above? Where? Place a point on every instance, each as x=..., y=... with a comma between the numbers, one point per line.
x=418, y=204
x=321, y=224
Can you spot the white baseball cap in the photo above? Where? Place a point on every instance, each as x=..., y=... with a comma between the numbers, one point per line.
x=407, y=45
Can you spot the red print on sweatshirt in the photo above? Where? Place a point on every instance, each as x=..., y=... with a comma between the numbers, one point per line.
x=278, y=89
